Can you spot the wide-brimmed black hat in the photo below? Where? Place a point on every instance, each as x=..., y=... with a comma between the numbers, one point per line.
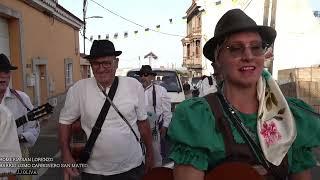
x=146, y=69
x=5, y=63
x=101, y=48
x=233, y=21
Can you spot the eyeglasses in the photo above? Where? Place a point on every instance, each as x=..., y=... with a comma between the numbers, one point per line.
x=105, y=64
x=144, y=75
x=257, y=49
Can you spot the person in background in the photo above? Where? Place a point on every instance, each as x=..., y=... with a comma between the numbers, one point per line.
x=187, y=90
x=19, y=104
x=116, y=153
x=158, y=109
x=283, y=129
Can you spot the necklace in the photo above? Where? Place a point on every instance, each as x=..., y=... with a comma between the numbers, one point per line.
x=236, y=112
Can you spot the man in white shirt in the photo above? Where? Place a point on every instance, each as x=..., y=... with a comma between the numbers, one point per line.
x=19, y=104
x=29, y=132
x=158, y=109
x=9, y=143
x=116, y=154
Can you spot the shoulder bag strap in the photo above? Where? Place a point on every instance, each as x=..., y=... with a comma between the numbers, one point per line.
x=85, y=154
x=154, y=99
x=14, y=92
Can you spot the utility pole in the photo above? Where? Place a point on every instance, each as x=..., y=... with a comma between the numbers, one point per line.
x=272, y=15
x=84, y=25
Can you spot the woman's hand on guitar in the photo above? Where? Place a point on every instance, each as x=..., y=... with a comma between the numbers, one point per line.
x=72, y=171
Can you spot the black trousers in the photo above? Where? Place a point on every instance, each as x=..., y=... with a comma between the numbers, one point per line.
x=133, y=174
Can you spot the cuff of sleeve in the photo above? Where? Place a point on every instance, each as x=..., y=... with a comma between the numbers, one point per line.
x=31, y=139
x=142, y=118
x=166, y=123
x=66, y=122
x=182, y=154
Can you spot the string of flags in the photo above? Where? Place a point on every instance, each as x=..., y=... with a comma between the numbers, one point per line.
x=127, y=34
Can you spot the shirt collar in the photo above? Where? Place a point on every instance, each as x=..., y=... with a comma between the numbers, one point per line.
x=148, y=87
x=8, y=94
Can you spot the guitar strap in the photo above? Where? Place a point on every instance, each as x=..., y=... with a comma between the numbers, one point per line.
x=85, y=154
x=215, y=101
x=14, y=92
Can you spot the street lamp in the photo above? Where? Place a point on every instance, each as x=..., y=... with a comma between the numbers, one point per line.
x=84, y=30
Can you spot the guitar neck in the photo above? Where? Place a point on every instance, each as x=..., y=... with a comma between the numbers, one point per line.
x=20, y=121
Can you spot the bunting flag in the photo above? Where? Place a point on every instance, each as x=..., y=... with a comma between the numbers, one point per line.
x=115, y=36
x=158, y=27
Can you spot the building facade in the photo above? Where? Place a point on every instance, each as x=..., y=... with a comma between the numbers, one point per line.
x=303, y=83
x=202, y=17
x=42, y=39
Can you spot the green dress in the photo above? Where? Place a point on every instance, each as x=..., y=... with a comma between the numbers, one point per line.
x=196, y=140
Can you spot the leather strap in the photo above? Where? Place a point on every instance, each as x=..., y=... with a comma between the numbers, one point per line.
x=14, y=92
x=154, y=99
x=85, y=154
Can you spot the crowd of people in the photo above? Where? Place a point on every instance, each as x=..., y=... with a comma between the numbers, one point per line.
x=239, y=114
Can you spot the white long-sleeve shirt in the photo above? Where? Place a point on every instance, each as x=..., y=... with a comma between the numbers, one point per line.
x=205, y=87
x=9, y=143
x=29, y=130
x=163, y=105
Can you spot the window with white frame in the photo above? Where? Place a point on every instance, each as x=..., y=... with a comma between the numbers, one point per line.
x=68, y=72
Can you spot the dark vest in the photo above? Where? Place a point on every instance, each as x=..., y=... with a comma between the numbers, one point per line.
x=240, y=152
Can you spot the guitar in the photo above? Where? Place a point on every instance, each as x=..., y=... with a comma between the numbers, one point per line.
x=35, y=114
x=78, y=140
x=228, y=171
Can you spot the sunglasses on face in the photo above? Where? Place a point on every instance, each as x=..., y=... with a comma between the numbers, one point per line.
x=237, y=50
x=105, y=64
x=144, y=75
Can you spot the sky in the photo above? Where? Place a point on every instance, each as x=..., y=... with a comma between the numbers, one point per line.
x=149, y=14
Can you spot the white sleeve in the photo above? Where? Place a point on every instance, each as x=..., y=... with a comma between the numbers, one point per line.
x=9, y=143
x=141, y=107
x=31, y=129
x=71, y=109
x=166, y=107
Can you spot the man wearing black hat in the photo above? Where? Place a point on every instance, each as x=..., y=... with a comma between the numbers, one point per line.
x=158, y=109
x=116, y=152
x=19, y=104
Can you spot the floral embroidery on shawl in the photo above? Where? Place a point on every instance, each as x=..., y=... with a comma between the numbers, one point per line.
x=270, y=133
